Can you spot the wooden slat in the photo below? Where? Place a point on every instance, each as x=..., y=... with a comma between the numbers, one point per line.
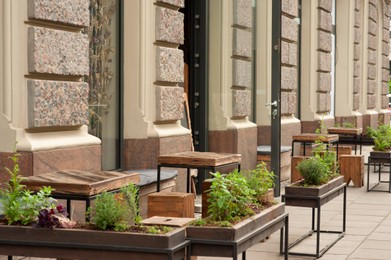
x=167, y=221
x=81, y=182
x=344, y=130
x=311, y=137
x=193, y=159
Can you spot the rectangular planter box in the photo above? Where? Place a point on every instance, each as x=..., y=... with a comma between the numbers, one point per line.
x=296, y=190
x=380, y=156
x=219, y=241
x=90, y=244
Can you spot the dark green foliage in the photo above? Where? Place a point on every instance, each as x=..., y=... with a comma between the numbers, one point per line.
x=313, y=170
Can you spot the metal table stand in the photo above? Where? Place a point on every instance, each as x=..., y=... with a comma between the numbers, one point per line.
x=316, y=203
x=380, y=162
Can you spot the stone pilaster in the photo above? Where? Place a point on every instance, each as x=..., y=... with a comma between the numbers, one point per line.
x=289, y=57
x=169, y=34
x=324, y=56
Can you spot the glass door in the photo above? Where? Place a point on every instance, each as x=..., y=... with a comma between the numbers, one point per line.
x=104, y=99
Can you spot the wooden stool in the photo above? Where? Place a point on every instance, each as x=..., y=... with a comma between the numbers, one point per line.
x=171, y=204
x=352, y=168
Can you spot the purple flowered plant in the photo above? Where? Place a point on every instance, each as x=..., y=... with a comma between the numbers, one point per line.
x=48, y=218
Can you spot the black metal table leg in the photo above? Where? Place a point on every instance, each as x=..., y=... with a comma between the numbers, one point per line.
x=188, y=180
x=158, y=178
x=318, y=232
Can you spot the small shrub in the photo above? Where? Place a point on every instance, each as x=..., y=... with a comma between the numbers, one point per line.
x=314, y=171
x=116, y=211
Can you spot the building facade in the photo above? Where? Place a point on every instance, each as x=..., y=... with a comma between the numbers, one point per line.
x=101, y=84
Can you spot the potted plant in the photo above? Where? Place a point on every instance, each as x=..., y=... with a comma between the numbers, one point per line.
x=34, y=226
x=237, y=213
x=382, y=141
x=319, y=174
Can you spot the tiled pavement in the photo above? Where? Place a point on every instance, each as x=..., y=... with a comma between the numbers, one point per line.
x=368, y=229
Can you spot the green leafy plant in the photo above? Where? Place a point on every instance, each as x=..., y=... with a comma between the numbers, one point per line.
x=381, y=137
x=260, y=180
x=21, y=206
x=116, y=211
x=158, y=229
x=229, y=197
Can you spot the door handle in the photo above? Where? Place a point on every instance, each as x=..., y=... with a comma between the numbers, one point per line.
x=273, y=104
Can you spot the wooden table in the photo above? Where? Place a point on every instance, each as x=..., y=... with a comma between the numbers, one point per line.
x=80, y=185
x=305, y=138
x=356, y=133
x=196, y=160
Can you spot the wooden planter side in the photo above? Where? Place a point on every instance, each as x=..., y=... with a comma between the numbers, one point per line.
x=379, y=155
x=92, y=237
x=239, y=230
x=296, y=190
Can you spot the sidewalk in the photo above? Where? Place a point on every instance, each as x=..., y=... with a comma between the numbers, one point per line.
x=368, y=228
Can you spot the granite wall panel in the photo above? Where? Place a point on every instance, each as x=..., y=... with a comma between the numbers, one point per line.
x=241, y=102
x=324, y=41
x=242, y=73
x=290, y=7
x=242, y=13
x=169, y=25
x=324, y=81
x=325, y=22
x=177, y=3
x=74, y=12
x=289, y=29
x=242, y=42
x=169, y=105
x=57, y=103
x=288, y=78
x=326, y=5
x=169, y=64
x=57, y=52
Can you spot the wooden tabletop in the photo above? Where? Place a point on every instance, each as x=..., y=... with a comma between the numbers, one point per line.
x=81, y=182
x=312, y=137
x=344, y=130
x=194, y=159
